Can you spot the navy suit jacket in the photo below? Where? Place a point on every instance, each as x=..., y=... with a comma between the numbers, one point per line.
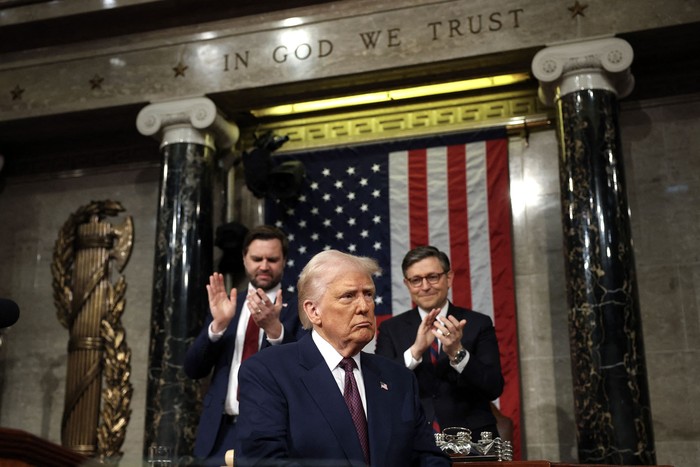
x=203, y=356
x=458, y=400
x=292, y=413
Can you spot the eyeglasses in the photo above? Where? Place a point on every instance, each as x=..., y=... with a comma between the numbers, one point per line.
x=434, y=278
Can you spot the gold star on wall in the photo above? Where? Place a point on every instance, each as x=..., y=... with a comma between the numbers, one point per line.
x=96, y=82
x=180, y=69
x=17, y=93
x=577, y=9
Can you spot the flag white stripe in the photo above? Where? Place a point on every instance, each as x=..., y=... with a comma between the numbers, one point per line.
x=400, y=240
x=478, y=218
x=438, y=215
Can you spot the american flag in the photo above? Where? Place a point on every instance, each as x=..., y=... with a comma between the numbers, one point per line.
x=380, y=200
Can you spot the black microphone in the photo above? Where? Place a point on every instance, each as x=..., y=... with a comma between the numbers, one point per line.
x=9, y=313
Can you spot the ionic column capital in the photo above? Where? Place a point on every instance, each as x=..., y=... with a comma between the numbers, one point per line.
x=576, y=66
x=193, y=120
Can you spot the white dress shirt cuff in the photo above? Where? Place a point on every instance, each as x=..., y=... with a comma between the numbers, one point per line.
x=277, y=341
x=215, y=336
x=459, y=367
x=411, y=363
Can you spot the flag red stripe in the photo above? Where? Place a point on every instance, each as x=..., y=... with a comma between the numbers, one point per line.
x=502, y=274
x=459, y=224
x=418, y=197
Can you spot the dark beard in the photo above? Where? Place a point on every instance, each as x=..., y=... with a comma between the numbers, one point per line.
x=272, y=285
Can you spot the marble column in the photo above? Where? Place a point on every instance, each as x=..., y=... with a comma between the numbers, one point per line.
x=613, y=418
x=190, y=131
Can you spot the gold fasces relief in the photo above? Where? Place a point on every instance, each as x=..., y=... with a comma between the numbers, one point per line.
x=90, y=306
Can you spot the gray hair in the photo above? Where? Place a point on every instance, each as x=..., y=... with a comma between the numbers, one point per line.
x=322, y=270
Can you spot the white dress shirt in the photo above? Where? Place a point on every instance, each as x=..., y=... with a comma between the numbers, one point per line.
x=333, y=359
x=231, y=404
x=412, y=363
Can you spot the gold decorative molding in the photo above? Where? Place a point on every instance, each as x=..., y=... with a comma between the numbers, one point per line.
x=363, y=126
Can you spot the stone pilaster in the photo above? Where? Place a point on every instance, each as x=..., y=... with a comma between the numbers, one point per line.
x=613, y=418
x=191, y=131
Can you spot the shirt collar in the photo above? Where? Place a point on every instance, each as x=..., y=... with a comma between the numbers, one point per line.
x=443, y=311
x=328, y=352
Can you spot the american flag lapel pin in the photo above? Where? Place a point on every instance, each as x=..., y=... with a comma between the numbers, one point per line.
x=383, y=385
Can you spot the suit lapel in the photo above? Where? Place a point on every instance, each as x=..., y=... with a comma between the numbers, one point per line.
x=413, y=318
x=458, y=313
x=410, y=325
x=287, y=296
x=378, y=408
x=322, y=388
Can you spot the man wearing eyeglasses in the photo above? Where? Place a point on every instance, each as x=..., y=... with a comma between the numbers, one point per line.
x=453, y=351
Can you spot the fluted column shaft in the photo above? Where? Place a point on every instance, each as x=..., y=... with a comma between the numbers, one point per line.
x=189, y=130
x=613, y=417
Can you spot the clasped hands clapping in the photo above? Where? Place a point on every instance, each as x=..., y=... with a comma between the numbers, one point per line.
x=265, y=313
x=447, y=329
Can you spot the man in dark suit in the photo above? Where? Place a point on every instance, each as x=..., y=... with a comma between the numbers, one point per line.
x=237, y=326
x=463, y=374
x=323, y=402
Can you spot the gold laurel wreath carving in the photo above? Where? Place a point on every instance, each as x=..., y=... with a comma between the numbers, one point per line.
x=116, y=388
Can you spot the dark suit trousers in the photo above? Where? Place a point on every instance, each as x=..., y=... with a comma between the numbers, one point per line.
x=225, y=438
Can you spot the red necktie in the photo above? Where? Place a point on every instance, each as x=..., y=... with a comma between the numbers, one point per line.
x=352, y=399
x=434, y=351
x=436, y=426
x=252, y=336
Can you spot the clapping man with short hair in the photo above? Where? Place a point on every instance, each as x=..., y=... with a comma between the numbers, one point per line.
x=453, y=351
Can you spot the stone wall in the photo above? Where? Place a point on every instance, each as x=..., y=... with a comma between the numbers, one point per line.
x=661, y=145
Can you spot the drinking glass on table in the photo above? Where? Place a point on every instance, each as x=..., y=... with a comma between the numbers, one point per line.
x=160, y=456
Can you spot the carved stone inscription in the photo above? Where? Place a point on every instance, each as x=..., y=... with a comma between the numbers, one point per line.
x=347, y=38
x=379, y=39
